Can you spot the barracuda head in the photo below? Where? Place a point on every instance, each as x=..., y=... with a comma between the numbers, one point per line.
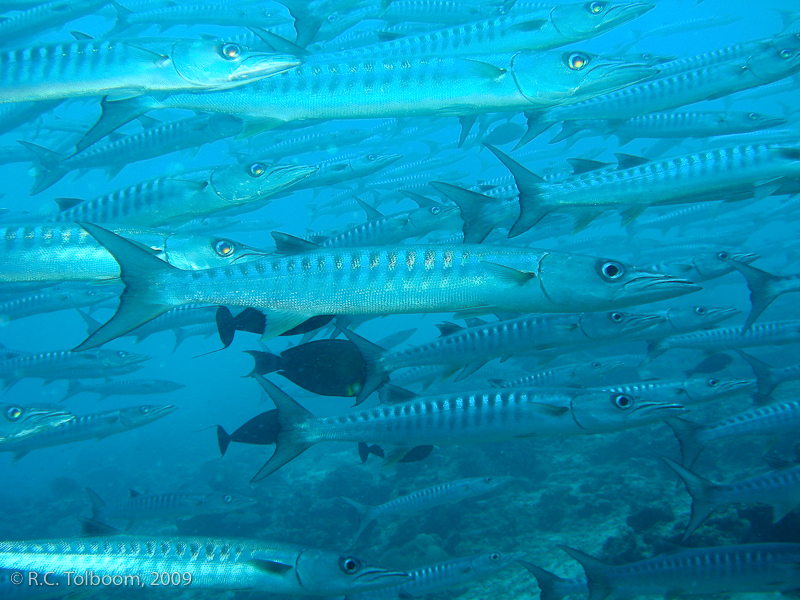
x=711, y=265
x=483, y=485
x=585, y=19
x=136, y=416
x=703, y=389
x=778, y=59
x=218, y=503
x=195, y=252
x=571, y=76
x=487, y=565
x=438, y=216
x=323, y=573
x=737, y=122
x=596, y=412
x=238, y=184
x=221, y=65
x=601, y=283
x=691, y=318
x=597, y=368
x=115, y=358
x=605, y=325
x=364, y=165
x=18, y=422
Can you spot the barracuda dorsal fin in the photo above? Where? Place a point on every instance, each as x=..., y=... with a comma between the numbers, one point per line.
x=628, y=161
x=472, y=206
x=585, y=165
x=272, y=567
x=134, y=493
x=392, y=394
x=537, y=125
x=448, y=328
x=289, y=244
x=599, y=585
x=143, y=275
x=289, y=442
x=374, y=375
x=508, y=274
x=67, y=203
x=277, y=43
x=469, y=369
x=372, y=213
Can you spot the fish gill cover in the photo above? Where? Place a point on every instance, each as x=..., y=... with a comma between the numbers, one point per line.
x=502, y=270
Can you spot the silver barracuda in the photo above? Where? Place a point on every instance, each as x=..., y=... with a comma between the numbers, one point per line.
x=128, y=387
x=66, y=364
x=690, y=391
x=704, y=266
x=223, y=14
x=769, y=420
x=131, y=67
x=23, y=113
x=710, y=175
x=561, y=376
x=159, y=506
x=473, y=347
x=743, y=568
x=43, y=16
x=376, y=280
x=18, y=422
x=444, y=575
x=52, y=301
x=378, y=87
x=202, y=562
x=346, y=168
x=184, y=196
x=473, y=417
x=87, y=427
x=156, y=140
x=58, y=252
x=444, y=493
x=780, y=489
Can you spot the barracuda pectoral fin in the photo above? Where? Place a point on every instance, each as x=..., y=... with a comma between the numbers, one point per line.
x=508, y=274
x=481, y=68
x=767, y=187
x=631, y=213
x=537, y=125
x=628, y=161
x=532, y=25
x=19, y=455
x=584, y=165
x=392, y=394
x=470, y=369
x=273, y=567
x=143, y=274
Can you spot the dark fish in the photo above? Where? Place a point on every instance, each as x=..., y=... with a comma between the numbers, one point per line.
x=712, y=364
x=254, y=321
x=324, y=367
x=261, y=430
x=414, y=455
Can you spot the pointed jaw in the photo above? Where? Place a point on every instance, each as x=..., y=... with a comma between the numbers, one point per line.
x=651, y=287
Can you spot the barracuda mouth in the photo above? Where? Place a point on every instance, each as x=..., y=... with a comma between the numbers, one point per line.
x=658, y=410
x=658, y=284
x=374, y=578
x=627, y=11
x=260, y=66
x=637, y=323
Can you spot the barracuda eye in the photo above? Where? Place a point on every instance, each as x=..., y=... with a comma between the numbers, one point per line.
x=14, y=413
x=623, y=401
x=596, y=7
x=495, y=557
x=617, y=317
x=646, y=56
x=224, y=248
x=785, y=54
x=700, y=311
x=230, y=51
x=435, y=210
x=612, y=270
x=350, y=565
x=577, y=61
x=713, y=383
x=371, y=157
x=488, y=479
x=722, y=255
x=257, y=169
x=752, y=116
x=122, y=354
x=595, y=365
x=333, y=17
x=227, y=499
x=144, y=409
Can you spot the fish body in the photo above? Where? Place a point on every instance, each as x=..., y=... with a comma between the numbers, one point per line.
x=223, y=14
x=203, y=563
x=136, y=387
x=561, y=376
x=473, y=417
x=131, y=67
x=694, y=390
x=65, y=252
x=184, y=196
x=377, y=280
x=43, y=16
x=445, y=493
x=704, y=266
x=87, y=427
x=18, y=422
x=52, y=301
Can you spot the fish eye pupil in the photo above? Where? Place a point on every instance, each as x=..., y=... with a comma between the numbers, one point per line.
x=713, y=382
x=617, y=317
x=700, y=310
x=753, y=116
x=722, y=255
x=612, y=270
x=596, y=7
x=350, y=565
x=595, y=365
x=145, y=410
x=121, y=354
x=14, y=413
x=231, y=51
x=577, y=61
x=786, y=53
x=227, y=499
x=623, y=401
x=495, y=556
x=257, y=169
x=224, y=248
x=435, y=210
x=371, y=157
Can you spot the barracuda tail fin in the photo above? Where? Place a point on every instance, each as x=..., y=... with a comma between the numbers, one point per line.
x=477, y=224
x=700, y=490
x=374, y=374
x=223, y=439
x=687, y=434
x=762, y=289
x=549, y=583
x=289, y=442
x=365, y=516
x=600, y=585
x=765, y=378
x=531, y=206
x=47, y=168
x=75, y=388
x=143, y=275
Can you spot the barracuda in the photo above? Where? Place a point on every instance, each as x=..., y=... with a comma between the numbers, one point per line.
x=685, y=81
x=131, y=67
x=473, y=417
x=376, y=280
x=66, y=252
x=128, y=387
x=392, y=86
x=704, y=266
x=44, y=15
x=223, y=14
x=184, y=196
x=770, y=420
x=751, y=169
x=203, y=562
x=764, y=287
x=18, y=422
x=562, y=376
x=87, y=427
x=445, y=493
x=65, y=364
x=441, y=576
x=52, y=301
x=690, y=391
x=473, y=347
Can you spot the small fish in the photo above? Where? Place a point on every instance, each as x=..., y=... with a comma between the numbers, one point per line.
x=135, y=387
x=444, y=493
x=259, y=431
